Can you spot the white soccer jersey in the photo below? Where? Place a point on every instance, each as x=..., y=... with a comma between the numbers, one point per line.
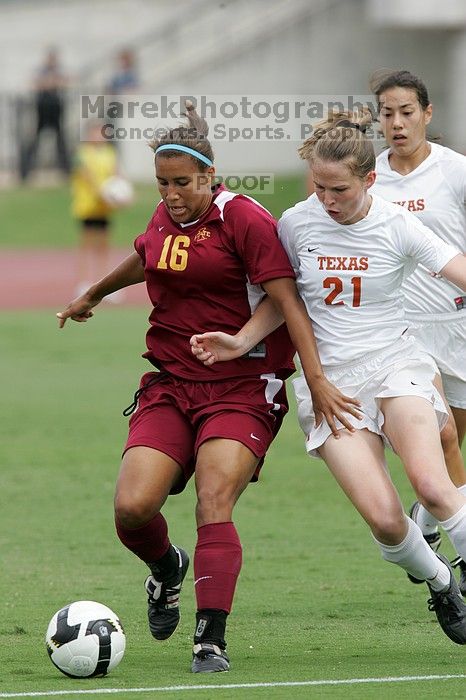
x=350, y=276
x=436, y=193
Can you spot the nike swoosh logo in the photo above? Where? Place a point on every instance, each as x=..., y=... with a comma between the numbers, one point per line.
x=254, y=437
x=161, y=227
x=201, y=578
x=311, y=250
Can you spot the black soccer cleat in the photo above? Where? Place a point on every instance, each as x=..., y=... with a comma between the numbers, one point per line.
x=163, y=599
x=434, y=540
x=458, y=562
x=449, y=607
x=209, y=658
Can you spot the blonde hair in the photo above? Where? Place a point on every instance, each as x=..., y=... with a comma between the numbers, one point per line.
x=340, y=137
x=194, y=136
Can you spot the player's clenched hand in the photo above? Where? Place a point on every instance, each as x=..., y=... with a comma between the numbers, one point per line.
x=216, y=347
x=79, y=310
x=329, y=403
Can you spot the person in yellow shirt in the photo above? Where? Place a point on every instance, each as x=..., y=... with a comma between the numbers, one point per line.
x=95, y=163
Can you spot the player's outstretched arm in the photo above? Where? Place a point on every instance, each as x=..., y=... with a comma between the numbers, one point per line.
x=130, y=271
x=216, y=346
x=455, y=271
x=283, y=301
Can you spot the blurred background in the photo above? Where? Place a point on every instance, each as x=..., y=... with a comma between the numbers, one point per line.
x=255, y=47
x=54, y=51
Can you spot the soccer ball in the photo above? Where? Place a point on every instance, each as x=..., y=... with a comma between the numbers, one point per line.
x=85, y=639
x=117, y=192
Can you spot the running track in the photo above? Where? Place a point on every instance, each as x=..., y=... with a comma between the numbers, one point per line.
x=35, y=279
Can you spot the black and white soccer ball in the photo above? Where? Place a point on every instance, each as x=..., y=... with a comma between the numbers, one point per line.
x=85, y=639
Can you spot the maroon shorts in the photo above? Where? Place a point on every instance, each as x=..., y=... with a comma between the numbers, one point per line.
x=176, y=416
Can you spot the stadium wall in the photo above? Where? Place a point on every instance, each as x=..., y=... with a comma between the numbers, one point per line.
x=316, y=48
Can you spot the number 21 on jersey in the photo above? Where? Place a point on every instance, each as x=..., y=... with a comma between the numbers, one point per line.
x=336, y=286
x=174, y=255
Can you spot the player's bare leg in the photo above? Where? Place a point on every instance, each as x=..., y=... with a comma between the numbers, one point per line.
x=412, y=428
x=459, y=414
x=451, y=438
x=410, y=424
x=358, y=464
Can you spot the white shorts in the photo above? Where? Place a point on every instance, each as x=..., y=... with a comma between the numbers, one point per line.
x=402, y=369
x=446, y=342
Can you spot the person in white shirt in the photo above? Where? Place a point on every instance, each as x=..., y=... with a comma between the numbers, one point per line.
x=430, y=181
x=351, y=251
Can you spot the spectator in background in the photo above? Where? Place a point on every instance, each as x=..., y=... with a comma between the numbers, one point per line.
x=95, y=164
x=49, y=107
x=126, y=78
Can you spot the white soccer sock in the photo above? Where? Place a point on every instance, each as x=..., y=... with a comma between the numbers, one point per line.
x=426, y=520
x=455, y=527
x=415, y=556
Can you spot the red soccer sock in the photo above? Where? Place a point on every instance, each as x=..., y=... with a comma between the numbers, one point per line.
x=217, y=563
x=149, y=542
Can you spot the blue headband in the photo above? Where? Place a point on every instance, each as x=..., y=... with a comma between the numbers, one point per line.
x=184, y=149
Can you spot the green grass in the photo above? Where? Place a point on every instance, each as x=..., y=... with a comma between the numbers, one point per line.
x=314, y=600
x=41, y=218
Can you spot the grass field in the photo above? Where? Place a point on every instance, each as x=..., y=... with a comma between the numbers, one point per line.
x=315, y=602
x=39, y=218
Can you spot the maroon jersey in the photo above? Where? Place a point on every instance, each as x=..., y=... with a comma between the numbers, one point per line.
x=203, y=277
